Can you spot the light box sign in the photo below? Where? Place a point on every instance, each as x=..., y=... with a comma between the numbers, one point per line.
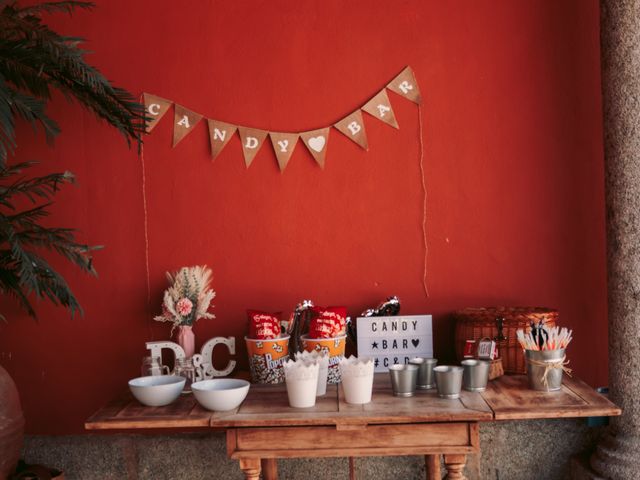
x=392, y=340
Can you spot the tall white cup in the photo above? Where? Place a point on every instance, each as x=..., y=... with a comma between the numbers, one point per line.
x=323, y=361
x=357, y=379
x=302, y=382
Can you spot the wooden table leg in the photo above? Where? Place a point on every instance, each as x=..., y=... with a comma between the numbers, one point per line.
x=269, y=468
x=432, y=462
x=251, y=468
x=352, y=468
x=455, y=466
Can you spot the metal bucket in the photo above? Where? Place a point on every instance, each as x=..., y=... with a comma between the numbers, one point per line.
x=552, y=360
x=475, y=375
x=426, y=377
x=403, y=379
x=448, y=381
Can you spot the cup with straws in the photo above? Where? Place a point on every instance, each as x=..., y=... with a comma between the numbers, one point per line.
x=544, y=350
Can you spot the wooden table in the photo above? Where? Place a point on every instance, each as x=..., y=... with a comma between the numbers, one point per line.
x=264, y=428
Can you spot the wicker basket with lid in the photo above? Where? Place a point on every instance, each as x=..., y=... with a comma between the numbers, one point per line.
x=500, y=324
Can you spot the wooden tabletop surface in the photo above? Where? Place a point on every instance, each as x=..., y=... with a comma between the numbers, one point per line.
x=510, y=398
x=506, y=398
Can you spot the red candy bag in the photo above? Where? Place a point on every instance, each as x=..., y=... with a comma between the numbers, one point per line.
x=263, y=325
x=328, y=322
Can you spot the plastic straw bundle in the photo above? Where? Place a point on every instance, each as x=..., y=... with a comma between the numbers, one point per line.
x=553, y=338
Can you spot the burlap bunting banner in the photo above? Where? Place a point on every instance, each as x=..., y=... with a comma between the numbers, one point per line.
x=252, y=140
x=283, y=145
x=156, y=107
x=405, y=84
x=184, y=122
x=352, y=126
x=219, y=135
x=380, y=107
x=316, y=141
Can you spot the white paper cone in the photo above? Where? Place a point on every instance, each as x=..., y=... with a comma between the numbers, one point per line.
x=322, y=359
x=302, y=383
x=323, y=373
x=357, y=379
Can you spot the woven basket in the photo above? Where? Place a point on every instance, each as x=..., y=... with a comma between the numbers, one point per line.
x=475, y=323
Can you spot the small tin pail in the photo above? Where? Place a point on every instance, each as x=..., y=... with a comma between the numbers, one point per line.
x=544, y=369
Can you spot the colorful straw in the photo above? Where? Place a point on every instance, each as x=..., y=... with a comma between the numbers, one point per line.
x=557, y=339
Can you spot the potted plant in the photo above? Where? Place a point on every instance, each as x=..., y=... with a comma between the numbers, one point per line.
x=34, y=61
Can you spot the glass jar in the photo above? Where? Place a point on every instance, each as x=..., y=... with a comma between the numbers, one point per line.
x=153, y=366
x=184, y=368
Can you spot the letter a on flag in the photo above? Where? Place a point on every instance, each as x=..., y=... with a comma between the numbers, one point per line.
x=380, y=107
x=184, y=121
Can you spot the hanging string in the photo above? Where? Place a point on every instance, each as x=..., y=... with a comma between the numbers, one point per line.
x=146, y=223
x=146, y=232
x=424, y=203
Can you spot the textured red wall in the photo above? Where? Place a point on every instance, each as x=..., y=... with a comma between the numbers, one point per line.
x=513, y=158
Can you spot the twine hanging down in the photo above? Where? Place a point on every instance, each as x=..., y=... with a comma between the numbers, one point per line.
x=145, y=216
x=424, y=203
x=146, y=233
x=284, y=143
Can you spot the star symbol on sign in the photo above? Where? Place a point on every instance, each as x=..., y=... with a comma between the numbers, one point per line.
x=374, y=345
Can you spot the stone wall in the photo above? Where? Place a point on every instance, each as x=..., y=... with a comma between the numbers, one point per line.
x=531, y=450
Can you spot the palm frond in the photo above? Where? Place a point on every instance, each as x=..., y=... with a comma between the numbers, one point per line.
x=34, y=59
x=23, y=239
x=34, y=62
x=54, y=7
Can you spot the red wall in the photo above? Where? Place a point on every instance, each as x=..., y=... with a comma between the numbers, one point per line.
x=513, y=158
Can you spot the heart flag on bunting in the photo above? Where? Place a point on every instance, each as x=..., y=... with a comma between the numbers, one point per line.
x=317, y=141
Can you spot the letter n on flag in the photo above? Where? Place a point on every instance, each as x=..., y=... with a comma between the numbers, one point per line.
x=219, y=135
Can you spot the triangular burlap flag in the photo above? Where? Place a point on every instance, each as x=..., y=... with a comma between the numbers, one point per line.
x=380, y=107
x=317, y=141
x=283, y=145
x=219, y=135
x=155, y=108
x=252, y=140
x=352, y=126
x=406, y=85
x=184, y=122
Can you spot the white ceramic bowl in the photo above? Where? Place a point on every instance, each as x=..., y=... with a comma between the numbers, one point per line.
x=220, y=394
x=157, y=390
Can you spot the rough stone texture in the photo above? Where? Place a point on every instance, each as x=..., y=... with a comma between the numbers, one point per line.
x=80, y=456
x=616, y=456
x=581, y=469
x=531, y=450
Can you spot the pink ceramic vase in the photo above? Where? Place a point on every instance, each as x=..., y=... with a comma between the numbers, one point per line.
x=187, y=340
x=11, y=425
